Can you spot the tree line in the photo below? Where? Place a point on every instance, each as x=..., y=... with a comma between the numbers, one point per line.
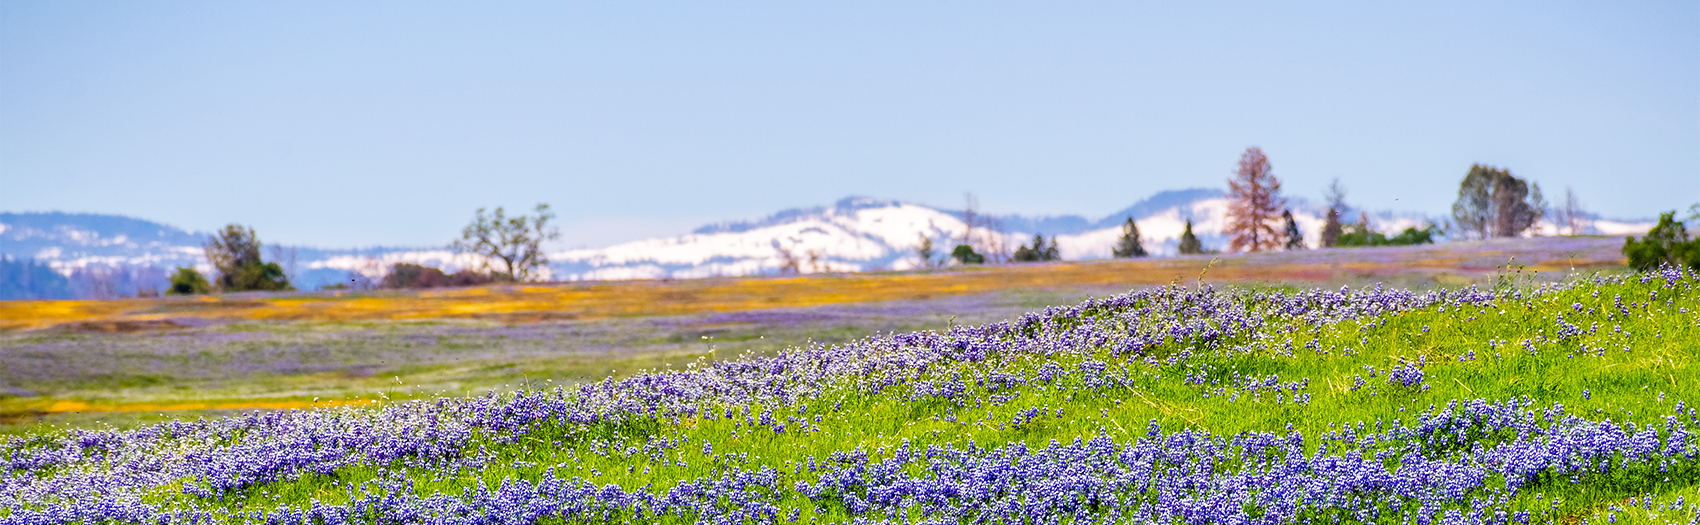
x=507, y=248
x=1491, y=203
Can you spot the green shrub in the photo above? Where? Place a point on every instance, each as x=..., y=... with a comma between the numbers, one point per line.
x=965, y=254
x=1357, y=235
x=1667, y=242
x=267, y=277
x=187, y=281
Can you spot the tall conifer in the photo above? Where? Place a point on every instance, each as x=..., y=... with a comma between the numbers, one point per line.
x=1331, y=229
x=1189, y=243
x=1295, y=239
x=1254, y=195
x=1130, y=245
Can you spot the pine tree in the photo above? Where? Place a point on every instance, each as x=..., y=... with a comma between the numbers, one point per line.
x=1130, y=245
x=1295, y=239
x=1254, y=196
x=1331, y=229
x=1189, y=243
x=1031, y=253
x=1051, y=252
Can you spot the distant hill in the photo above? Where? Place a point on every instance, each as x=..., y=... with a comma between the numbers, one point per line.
x=853, y=234
x=863, y=234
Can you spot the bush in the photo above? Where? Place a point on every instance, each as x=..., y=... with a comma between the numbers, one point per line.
x=1356, y=235
x=187, y=281
x=267, y=277
x=965, y=254
x=409, y=275
x=1666, y=243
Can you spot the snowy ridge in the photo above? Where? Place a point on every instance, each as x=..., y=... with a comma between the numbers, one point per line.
x=856, y=234
x=864, y=234
x=852, y=235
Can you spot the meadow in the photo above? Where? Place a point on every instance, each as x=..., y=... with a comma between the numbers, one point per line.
x=1516, y=400
x=130, y=362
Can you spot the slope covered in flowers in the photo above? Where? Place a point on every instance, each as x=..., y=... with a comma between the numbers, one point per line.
x=1169, y=405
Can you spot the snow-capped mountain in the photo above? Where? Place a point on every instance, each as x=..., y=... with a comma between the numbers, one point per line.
x=73, y=242
x=865, y=234
x=853, y=234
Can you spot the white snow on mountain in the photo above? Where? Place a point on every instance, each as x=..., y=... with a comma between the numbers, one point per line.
x=852, y=235
x=857, y=234
x=864, y=234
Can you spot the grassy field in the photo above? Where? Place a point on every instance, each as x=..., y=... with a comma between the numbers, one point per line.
x=82, y=363
x=1412, y=267
x=89, y=379
x=1520, y=401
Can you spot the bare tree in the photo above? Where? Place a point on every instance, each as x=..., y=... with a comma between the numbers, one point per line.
x=1254, y=201
x=1570, y=215
x=814, y=261
x=997, y=239
x=1335, y=195
x=788, y=264
x=285, y=257
x=515, y=241
x=970, y=207
x=924, y=251
x=97, y=282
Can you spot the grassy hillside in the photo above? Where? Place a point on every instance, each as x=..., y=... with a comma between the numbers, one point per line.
x=1523, y=403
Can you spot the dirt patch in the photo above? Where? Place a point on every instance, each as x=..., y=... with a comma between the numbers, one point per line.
x=119, y=327
x=15, y=417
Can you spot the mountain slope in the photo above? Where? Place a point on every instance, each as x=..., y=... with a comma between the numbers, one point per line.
x=865, y=234
x=853, y=234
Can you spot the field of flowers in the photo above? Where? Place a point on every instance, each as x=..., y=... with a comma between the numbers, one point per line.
x=95, y=379
x=1523, y=402
x=1417, y=266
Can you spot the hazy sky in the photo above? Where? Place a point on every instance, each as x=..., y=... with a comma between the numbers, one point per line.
x=361, y=123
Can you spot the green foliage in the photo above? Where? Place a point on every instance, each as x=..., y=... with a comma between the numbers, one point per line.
x=187, y=281
x=965, y=254
x=516, y=242
x=1630, y=370
x=235, y=253
x=1666, y=243
x=1414, y=236
x=1130, y=244
x=1358, y=235
x=1189, y=244
x=1038, y=252
x=268, y=277
x=1494, y=203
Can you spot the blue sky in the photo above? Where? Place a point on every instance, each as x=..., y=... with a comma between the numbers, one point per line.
x=363, y=123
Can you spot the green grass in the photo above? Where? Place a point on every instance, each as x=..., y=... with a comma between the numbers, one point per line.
x=1637, y=367
x=1633, y=367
